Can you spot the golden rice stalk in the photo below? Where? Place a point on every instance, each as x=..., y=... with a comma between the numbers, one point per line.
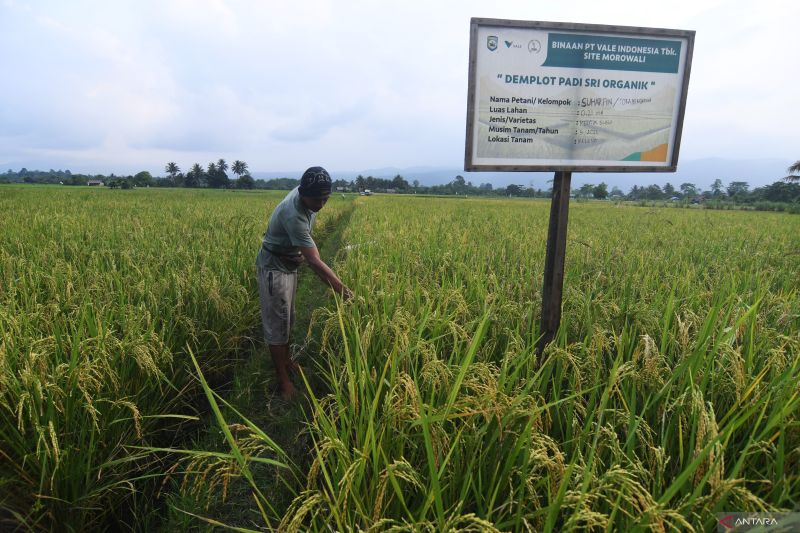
x=305, y=503
x=326, y=446
x=400, y=469
x=651, y=365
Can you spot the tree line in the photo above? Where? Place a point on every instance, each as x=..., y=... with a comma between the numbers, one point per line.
x=214, y=175
x=737, y=191
x=784, y=190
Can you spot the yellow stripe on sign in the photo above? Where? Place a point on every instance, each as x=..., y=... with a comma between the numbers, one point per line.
x=659, y=153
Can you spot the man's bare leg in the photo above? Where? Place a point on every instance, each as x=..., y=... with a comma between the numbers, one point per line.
x=282, y=362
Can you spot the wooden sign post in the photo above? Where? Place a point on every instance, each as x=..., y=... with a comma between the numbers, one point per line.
x=554, y=260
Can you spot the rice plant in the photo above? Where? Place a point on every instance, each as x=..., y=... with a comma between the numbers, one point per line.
x=670, y=395
x=102, y=294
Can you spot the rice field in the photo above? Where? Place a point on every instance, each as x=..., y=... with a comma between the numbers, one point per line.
x=103, y=294
x=671, y=393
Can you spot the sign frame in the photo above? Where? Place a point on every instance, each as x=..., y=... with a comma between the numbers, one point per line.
x=622, y=31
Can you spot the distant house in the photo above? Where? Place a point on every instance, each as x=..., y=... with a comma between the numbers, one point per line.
x=95, y=183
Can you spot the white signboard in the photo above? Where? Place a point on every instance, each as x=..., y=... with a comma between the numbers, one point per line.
x=554, y=96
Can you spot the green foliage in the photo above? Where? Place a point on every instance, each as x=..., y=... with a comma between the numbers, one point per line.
x=196, y=176
x=689, y=190
x=279, y=184
x=737, y=188
x=245, y=182
x=585, y=190
x=143, y=179
x=600, y=192
x=514, y=190
x=779, y=192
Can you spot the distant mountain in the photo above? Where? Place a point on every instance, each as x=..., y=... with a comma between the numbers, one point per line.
x=425, y=175
x=272, y=175
x=701, y=172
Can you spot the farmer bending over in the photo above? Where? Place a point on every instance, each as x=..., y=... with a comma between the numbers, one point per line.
x=287, y=243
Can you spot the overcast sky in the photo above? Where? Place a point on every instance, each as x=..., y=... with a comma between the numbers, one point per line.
x=122, y=86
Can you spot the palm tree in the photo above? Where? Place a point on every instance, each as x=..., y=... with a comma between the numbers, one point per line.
x=172, y=169
x=217, y=178
x=222, y=179
x=211, y=175
x=239, y=168
x=195, y=176
x=794, y=172
x=716, y=187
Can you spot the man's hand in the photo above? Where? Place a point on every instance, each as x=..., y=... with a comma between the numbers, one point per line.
x=324, y=272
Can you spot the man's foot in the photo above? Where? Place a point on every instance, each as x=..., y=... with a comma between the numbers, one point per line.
x=288, y=392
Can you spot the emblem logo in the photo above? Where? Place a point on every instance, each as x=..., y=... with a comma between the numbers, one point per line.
x=534, y=46
x=491, y=42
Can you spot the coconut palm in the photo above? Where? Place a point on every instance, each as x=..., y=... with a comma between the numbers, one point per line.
x=194, y=177
x=174, y=172
x=216, y=175
x=172, y=169
x=239, y=168
x=794, y=172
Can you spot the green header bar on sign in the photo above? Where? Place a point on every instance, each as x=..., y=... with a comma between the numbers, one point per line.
x=612, y=53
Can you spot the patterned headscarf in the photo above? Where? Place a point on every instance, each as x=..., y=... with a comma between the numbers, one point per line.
x=315, y=182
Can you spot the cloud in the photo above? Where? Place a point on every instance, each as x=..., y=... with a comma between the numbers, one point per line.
x=356, y=84
x=79, y=84
x=315, y=124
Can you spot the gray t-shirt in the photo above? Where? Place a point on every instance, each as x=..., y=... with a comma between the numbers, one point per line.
x=289, y=228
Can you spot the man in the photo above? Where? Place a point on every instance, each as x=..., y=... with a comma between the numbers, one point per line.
x=287, y=244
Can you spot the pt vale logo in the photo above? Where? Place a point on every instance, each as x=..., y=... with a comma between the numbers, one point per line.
x=512, y=44
x=491, y=43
